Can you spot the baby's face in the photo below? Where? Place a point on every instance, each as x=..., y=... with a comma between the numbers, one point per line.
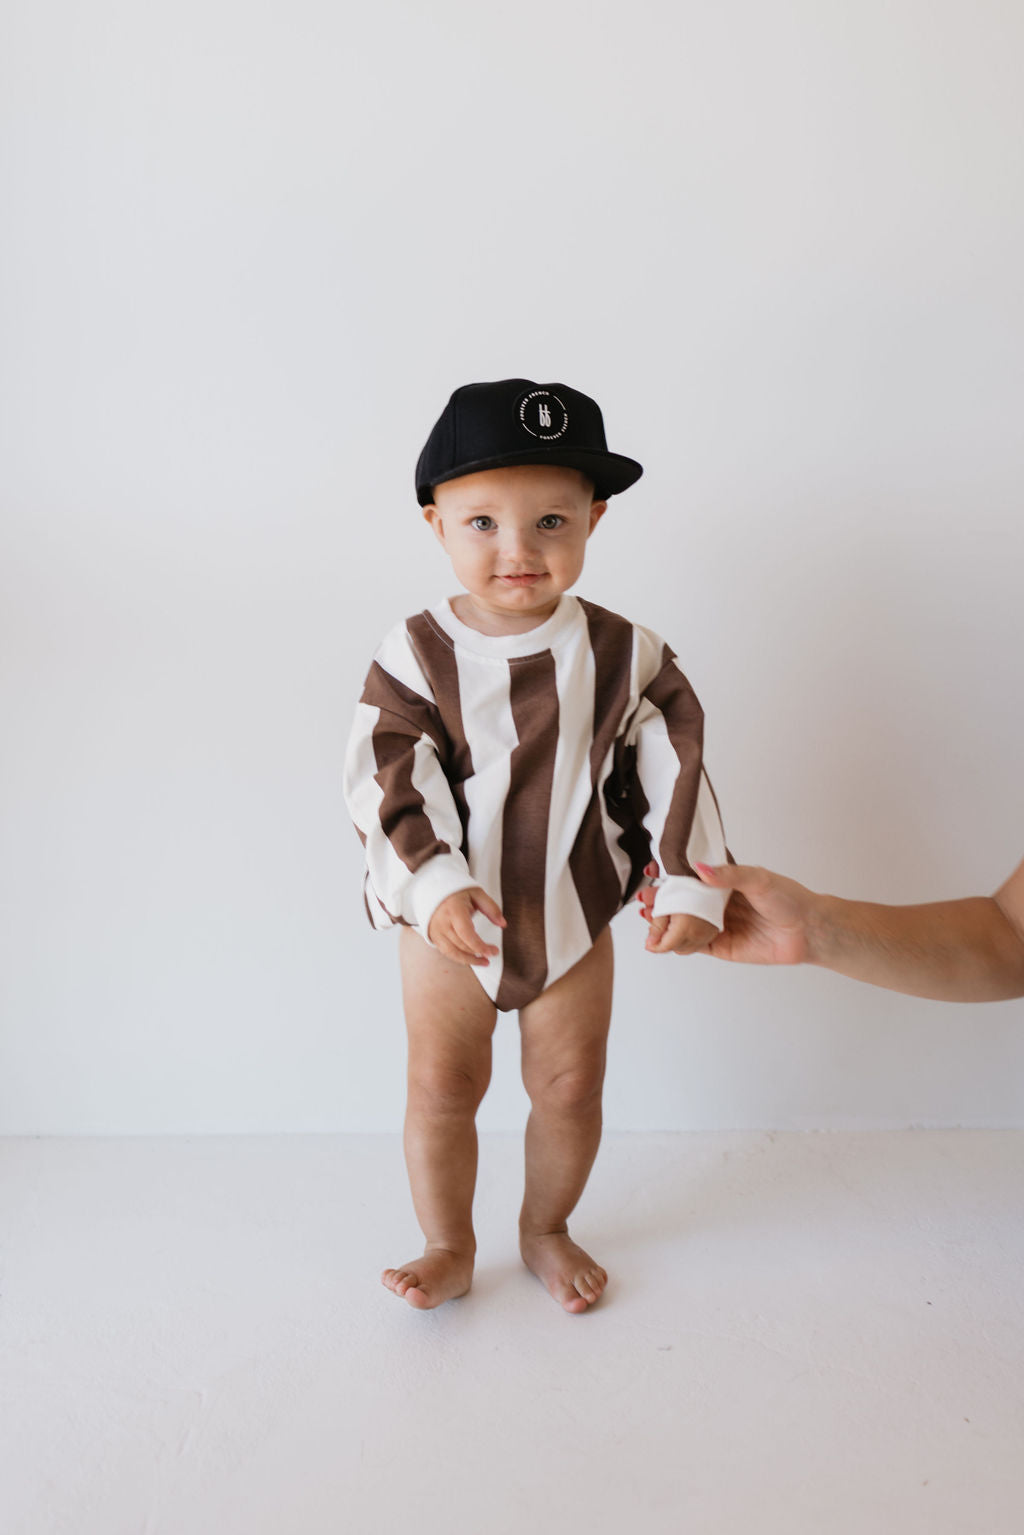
x=516, y=538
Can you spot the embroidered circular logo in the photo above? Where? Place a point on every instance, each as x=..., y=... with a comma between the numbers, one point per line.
x=543, y=415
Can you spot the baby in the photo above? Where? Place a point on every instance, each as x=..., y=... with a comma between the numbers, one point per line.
x=518, y=756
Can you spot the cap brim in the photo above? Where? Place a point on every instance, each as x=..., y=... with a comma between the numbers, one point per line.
x=610, y=472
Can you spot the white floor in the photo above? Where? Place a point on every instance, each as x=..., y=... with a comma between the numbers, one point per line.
x=817, y=1333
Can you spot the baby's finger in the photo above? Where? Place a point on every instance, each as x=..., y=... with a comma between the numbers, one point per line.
x=490, y=909
x=466, y=934
x=452, y=949
x=658, y=941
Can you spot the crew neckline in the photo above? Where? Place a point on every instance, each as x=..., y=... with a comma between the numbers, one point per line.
x=506, y=646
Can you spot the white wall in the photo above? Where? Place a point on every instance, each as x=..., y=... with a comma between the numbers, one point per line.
x=248, y=252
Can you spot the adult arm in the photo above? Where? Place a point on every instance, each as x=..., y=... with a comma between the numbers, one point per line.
x=969, y=950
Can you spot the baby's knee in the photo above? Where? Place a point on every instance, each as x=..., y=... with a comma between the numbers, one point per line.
x=441, y=1089
x=573, y=1090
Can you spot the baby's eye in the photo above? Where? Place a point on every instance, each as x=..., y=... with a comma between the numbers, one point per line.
x=550, y=522
x=483, y=524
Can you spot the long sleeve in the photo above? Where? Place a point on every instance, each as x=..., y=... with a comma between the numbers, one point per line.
x=682, y=814
x=402, y=804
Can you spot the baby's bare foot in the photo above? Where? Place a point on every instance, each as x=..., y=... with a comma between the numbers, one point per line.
x=571, y=1275
x=426, y=1282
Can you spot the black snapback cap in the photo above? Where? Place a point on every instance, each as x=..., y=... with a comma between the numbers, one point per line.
x=515, y=421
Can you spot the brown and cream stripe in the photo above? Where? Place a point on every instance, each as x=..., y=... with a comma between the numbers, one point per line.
x=543, y=767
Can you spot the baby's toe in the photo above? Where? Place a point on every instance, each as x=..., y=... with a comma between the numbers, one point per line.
x=591, y=1283
x=398, y=1280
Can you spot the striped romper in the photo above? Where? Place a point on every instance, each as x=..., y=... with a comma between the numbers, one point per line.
x=546, y=767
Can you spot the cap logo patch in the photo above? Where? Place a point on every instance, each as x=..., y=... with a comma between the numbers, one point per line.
x=543, y=415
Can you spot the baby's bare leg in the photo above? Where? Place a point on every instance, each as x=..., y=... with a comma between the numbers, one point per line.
x=565, y=1035
x=450, y=1020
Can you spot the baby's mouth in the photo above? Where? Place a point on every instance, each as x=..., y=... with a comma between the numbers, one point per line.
x=526, y=578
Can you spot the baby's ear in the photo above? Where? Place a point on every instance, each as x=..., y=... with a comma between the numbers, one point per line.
x=433, y=516
x=597, y=511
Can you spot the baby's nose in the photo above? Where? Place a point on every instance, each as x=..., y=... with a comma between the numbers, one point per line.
x=518, y=545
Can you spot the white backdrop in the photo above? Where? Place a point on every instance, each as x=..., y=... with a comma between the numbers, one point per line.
x=248, y=252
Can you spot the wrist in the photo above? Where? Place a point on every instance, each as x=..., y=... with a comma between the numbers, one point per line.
x=444, y=875
x=822, y=925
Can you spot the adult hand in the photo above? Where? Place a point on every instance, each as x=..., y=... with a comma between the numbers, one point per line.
x=766, y=921
x=967, y=950
x=451, y=928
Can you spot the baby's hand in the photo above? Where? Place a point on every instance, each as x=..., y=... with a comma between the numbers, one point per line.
x=679, y=934
x=451, y=929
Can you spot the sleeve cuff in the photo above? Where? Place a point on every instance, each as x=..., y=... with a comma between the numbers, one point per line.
x=681, y=894
x=440, y=877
